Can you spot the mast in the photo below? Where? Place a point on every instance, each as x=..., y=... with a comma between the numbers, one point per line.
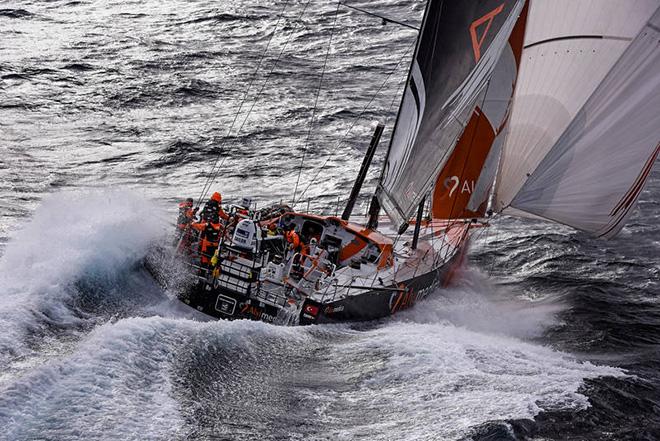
x=366, y=162
x=418, y=223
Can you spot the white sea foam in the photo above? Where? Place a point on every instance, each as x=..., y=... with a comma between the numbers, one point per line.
x=71, y=235
x=427, y=381
x=118, y=383
x=455, y=362
x=477, y=304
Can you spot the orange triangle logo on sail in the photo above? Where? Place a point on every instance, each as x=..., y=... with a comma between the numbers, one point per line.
x=488, y=19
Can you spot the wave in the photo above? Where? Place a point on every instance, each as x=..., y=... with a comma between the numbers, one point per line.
x=129, y=378
x=15, y=13
x=77, y=250
x=460, y=361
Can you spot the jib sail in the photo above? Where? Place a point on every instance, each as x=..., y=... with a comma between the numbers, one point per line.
x=459, y=45
x=584, y=129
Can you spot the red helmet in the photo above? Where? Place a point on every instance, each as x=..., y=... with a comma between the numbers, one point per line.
x=216, y=197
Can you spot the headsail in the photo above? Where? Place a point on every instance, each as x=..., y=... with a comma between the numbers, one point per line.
x=459, y=45
x=462, y=187
x=594, y=173
x=570, y=46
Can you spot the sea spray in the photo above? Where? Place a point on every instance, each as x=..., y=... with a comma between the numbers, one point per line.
x=72, y=236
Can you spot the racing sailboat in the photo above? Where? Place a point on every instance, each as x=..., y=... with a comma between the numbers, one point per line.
x=454, y=107
x=471, y=133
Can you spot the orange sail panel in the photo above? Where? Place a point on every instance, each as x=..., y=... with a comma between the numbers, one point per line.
x=457, y=181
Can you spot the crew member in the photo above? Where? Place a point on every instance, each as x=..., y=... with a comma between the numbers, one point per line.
x=184, y=237
x=212, y=211
x=271, y=229
x=293, y=240
x=186, y=214
x=208, y=240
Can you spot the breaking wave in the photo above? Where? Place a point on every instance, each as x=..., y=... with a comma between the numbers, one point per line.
x=126, y=379
x=75, y=255
x=456, y=362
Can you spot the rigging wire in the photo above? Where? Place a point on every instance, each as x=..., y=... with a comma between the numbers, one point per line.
x=209, y=181
x=215, y=170
x=357, y=118
x=316, y=100
x=493, y=243
x=385, y=19
x=277, y=60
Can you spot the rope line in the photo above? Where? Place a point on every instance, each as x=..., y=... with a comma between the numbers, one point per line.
x=316, y=100
x=357, y=118
x=215, y=170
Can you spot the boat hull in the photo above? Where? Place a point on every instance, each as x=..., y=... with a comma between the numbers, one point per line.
x=376, y=304
x=373, y=304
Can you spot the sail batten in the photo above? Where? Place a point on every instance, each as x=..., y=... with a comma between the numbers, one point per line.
x=459, y=46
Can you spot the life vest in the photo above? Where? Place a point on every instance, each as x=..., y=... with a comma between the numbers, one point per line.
x=213, y=212
x=208, y=239
x=210, y=212
x=294, y=240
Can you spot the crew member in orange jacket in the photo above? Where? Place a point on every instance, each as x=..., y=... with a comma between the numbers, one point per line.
x=208, y=240
x=212, y=211
x=293, y=240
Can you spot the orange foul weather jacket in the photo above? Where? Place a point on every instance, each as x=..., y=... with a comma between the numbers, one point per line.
x=208, y=240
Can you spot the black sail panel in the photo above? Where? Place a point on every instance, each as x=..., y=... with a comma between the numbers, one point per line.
x=458, y=48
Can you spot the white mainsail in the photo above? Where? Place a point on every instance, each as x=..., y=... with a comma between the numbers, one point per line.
x=570, y=46
x=584, y=129
x=459, y=45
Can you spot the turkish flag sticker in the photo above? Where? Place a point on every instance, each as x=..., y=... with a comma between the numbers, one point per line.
x=311, y=309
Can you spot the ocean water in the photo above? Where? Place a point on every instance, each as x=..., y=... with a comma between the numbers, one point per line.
x=110, y=112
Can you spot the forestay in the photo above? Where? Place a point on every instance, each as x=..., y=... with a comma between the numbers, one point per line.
x=594, y=173
x=458, y=48
x=570, y=47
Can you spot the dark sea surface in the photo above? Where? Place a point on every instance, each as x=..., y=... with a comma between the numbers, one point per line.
x=110, y=112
